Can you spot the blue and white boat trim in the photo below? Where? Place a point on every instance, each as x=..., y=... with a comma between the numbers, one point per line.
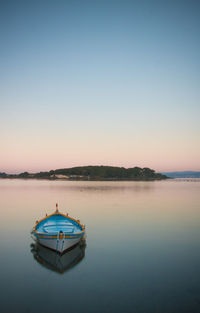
x=58, y=231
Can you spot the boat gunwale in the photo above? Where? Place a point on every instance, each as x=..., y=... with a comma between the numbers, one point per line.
x=64, y=233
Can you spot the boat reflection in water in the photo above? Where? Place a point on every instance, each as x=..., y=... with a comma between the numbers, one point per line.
x=59, y=262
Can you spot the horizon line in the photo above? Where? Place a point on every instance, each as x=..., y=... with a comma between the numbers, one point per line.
x=30, y=172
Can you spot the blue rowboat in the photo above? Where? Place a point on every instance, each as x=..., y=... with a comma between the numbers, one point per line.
x=58, y=231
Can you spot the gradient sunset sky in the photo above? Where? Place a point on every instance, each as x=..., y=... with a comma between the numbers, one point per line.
x=99, y=83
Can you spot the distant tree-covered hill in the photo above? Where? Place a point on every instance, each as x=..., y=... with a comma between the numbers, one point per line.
x=94, y=173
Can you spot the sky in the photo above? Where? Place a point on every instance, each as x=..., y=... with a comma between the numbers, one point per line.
x=99, y=83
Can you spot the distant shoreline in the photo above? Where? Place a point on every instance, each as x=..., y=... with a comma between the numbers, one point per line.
x=93, y=173
x=66, y=179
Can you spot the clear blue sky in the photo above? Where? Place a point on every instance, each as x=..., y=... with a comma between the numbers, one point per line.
x=99, y=82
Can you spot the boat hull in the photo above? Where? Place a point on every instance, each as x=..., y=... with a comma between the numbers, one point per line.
x=59, y=245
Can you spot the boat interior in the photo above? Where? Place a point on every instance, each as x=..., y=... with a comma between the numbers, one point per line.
x=58, y=223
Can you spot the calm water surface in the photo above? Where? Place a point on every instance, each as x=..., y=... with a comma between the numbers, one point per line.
x=142, y=251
